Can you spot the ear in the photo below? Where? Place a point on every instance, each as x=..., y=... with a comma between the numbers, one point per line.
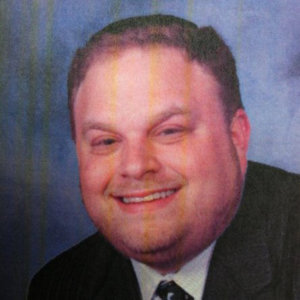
x=240, y=134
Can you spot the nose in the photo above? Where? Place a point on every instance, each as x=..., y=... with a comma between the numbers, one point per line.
x=138, y=159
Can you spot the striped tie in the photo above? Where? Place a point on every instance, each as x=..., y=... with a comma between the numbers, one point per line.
x=169, y=290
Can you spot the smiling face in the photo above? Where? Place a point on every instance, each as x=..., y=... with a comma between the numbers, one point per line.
x=161, y=170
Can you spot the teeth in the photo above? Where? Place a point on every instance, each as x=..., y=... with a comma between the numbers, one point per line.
x=151, y=197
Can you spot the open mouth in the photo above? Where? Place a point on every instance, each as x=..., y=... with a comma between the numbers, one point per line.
x=147, y=198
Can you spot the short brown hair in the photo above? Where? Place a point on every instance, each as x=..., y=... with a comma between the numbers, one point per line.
x=202, y=44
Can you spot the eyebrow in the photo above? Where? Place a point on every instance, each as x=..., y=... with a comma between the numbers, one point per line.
x=159, y=118
x=165, y=115
x=89, y=125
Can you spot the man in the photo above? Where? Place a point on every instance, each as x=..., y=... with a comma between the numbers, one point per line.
x=161, y=137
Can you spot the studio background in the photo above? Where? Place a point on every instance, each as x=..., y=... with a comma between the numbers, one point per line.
x=41, y=209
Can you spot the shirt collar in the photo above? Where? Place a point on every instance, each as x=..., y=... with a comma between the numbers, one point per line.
x=191, y=277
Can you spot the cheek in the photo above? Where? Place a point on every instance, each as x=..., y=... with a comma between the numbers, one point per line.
x=193, y=157
x=95, y=176
x=95, y=173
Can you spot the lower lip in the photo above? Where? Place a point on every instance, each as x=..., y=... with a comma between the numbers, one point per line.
x=146, y=206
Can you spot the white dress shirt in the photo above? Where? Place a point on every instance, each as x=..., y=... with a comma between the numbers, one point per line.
x=191, y=277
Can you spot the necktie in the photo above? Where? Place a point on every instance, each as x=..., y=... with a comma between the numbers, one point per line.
x=169, y=290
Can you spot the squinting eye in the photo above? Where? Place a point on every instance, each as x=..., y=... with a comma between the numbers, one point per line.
x=104, y=142
x=170, y=131
x=108, y=141
x=171, y=135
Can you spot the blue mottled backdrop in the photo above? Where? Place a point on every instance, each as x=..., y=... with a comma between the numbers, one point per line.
x=41, y=210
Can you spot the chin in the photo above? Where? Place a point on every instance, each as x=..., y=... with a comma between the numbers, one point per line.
x=149, y=246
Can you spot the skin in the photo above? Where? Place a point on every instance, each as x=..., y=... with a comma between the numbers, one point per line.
x=149, y=120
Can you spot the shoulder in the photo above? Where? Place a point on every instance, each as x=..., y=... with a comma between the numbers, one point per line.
x=274, y=195
x=76, y=257
x=272, y=188
x=259, y=250
x=268, y=174
x=72, y=270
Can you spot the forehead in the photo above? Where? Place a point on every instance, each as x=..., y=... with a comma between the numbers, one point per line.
x=146, y=77
x=147, y=63
x=150, y=62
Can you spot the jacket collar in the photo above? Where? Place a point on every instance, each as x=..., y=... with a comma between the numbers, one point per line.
x=121, y=281
x=241, y=261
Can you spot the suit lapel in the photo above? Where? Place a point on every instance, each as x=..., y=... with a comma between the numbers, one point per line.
x=240, y=266
x=121, y=282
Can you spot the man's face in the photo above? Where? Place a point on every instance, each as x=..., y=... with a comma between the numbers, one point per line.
x=161, y=170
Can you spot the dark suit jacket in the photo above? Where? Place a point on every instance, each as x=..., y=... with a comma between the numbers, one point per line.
x=255, y=258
